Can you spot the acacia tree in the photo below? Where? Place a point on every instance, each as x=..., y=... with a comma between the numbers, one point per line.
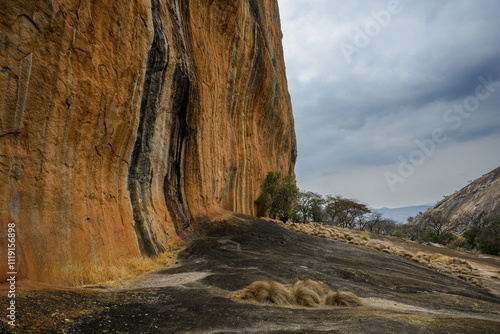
x=438, y=224
x=369, y=223
x=438, y=228
x=278, y=197
x=386, y=226
x=344, y=212
x=309, y=205
x=317, y=212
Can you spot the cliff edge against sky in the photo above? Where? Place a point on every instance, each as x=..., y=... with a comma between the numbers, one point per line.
x=125, y=126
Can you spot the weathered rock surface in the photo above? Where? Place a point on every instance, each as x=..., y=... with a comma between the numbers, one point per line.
x=125, y=125
x=400, y=295
x=479, y=198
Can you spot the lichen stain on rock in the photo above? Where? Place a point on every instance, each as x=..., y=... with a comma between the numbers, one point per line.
x=126, y=126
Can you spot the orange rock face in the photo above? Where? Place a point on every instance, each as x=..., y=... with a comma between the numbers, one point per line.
x=126, y=124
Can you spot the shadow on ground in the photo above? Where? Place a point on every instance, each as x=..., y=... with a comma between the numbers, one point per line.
x=402, y=296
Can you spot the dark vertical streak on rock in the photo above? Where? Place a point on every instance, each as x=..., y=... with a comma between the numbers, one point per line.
x=181, y=93
x=230, y=100
x=141, y=169
x=294, y=153
x=174, y=180
x=276, y=89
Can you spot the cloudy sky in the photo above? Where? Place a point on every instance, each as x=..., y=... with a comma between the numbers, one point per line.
x=395, y=102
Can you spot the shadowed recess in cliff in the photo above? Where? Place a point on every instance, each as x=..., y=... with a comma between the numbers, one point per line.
x=181, y=93
x=173, y=186
x=141, y=169
x=162, y=59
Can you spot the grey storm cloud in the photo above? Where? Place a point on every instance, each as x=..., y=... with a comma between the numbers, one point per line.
x=370, y=78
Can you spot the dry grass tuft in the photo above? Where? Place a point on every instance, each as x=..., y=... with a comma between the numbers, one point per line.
x=306, y=293
x=319, y=287
x=264, y=292
x=365, y=235
x=341, y=298
x=304, y=296
x=126, y=269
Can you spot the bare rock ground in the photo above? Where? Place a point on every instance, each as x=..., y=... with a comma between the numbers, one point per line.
x=481, y=269
x=400, y=294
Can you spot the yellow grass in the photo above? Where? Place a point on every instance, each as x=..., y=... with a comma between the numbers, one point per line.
x=126, y=269
x=438, y=262
x=307, y=293
x=365, y=235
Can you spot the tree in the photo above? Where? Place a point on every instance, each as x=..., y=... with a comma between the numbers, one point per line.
x=278, y=197
x=483, y=234
x=488, y=241
x=438, y=228
x=317, y=212
x=344, y=212
x=413, y=232
x=309, y=206
x=385, y=226
x=431, y=236
x=469, y=222
x=371, y=222
x=437, y=223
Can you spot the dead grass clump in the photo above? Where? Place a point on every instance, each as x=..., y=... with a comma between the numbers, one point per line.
x=478, y=283
x=341, y=298
x=438, y=262
x=355, y=240
x=439, y=266
x=406, y=254
x=365, y=235
x=264, y=292
x=126, y=269
x=306, y=293
x=445, y=264
x=377, y=245
x=318, y=287
x=423, y=255
x=443, y=258
x=304, y=296
x=306, y=230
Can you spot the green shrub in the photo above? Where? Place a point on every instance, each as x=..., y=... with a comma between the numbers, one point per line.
x=431, y=236
x=398, y=234
x=471, y=236
x=278, y=197
x=460, y=242
x=488, y=241
x=447, y=238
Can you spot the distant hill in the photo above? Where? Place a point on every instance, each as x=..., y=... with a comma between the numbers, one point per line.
x=401, y=214
x=480, y=197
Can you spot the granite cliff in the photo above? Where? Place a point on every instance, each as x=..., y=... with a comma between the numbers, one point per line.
x=481, y=197
x=126, y=126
